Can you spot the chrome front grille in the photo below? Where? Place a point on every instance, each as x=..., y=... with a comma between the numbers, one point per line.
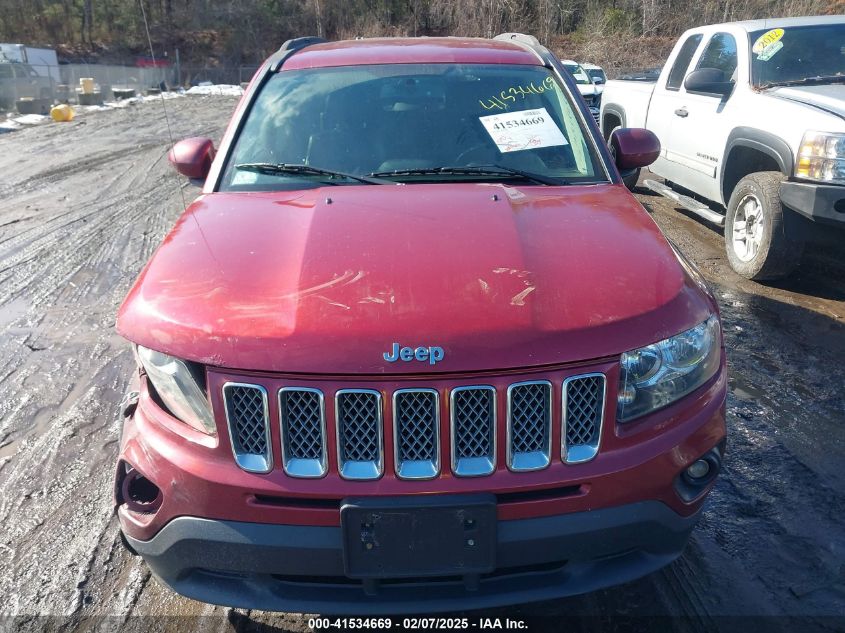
x=416, y=433
x=529, y=425
x=473, y=417
x=416, y=440
x=303, y=419
x=583, y=415
x=359, y=433
x=247, y=416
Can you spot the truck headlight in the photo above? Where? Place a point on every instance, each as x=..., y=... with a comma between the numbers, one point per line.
x=822, y=157
x=659, y=374
x=178, y=386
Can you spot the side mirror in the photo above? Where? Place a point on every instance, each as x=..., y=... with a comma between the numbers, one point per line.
x=192, y=157
x=633, y=147
x=598, y=80
x=708, y=81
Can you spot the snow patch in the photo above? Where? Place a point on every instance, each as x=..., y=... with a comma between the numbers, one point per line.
x=31, y=119
x=224, y=90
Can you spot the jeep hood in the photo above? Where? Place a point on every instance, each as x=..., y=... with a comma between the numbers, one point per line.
x=326, y=280
x=830, y=98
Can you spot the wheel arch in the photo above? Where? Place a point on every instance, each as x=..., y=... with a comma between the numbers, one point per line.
x=750, y=150
x=611, y=113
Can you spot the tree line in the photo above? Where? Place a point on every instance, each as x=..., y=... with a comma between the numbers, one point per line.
x=233, y=32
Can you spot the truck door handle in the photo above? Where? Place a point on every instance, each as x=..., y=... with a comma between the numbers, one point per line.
x=682, y=112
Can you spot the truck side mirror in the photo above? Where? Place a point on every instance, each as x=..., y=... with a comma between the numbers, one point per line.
x=633, y=147
x=709, y=81
x=598, y=81
x=192, y=157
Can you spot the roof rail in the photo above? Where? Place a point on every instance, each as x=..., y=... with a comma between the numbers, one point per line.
x=523, y=38
x=532, y=44
x=290, y=47
x=297, y=43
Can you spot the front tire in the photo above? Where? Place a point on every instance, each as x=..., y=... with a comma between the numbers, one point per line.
x=756, y=238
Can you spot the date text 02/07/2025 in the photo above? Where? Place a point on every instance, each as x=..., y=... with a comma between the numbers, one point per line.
x=419, y=623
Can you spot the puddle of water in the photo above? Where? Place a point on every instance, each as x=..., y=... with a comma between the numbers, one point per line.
x=9, y=448
x=745, y=391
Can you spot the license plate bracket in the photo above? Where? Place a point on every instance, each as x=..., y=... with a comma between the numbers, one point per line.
x=402, y=537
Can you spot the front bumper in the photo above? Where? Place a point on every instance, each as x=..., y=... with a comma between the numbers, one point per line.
x=220, y=534
x=818, y=202
x=300, y=568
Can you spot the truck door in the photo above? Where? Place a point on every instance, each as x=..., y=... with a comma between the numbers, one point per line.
x=701, y=122
x=665, y=101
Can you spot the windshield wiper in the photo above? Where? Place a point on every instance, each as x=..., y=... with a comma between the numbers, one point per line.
x=806, y=81
x=307, y=170
x=498, y=171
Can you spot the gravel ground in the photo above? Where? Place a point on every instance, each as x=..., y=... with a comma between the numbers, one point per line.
x=83, y=205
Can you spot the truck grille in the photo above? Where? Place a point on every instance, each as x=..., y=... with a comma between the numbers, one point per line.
x=529, y=425
x=417, y=443
x=473, y=414
x=416, y=431
x=247, y=415
x=303, y=420
x=583, y=414
x=359, y=433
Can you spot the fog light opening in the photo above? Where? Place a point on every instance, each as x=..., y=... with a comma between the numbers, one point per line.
x=697, y=476
x=139, y=493
x=699, y=469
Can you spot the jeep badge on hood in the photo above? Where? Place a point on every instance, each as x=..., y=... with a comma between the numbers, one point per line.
x=431, y=354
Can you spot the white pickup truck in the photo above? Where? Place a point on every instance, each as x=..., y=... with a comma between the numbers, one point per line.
x=751, y=119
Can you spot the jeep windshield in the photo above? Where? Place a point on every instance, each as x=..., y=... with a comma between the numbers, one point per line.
x=797, y=55
x=404, y=123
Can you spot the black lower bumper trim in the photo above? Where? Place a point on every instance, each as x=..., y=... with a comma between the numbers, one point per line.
x=818, y=202
x=301, y=569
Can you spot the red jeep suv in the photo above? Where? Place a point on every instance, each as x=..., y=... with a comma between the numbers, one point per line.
x=415, y=347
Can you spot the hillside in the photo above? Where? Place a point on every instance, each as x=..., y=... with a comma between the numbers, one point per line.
x=222, y=33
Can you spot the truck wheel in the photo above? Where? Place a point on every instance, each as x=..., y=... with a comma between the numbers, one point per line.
x=756, y=237
x=631, y=179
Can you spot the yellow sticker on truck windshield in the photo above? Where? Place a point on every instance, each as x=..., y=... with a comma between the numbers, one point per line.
x=768, y=44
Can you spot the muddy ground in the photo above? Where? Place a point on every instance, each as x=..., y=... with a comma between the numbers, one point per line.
x=82, y=206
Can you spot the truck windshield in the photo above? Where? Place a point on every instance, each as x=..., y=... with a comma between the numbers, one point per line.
x=596, y=74
x=577, y=73
x=411, y=123
x=797, y=55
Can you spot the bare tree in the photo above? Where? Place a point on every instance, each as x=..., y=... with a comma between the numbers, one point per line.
x=220, y=32
x=319, y=15
x=87, y=21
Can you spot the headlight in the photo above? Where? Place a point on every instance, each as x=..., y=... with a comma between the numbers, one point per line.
x=178, y=388
x=659, y=374
x=822, y=157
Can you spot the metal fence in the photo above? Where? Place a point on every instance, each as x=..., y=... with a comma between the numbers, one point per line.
x=108, y=78
x=191, y=75
x=34, y=88
x=25, y=82
x=39, y=87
